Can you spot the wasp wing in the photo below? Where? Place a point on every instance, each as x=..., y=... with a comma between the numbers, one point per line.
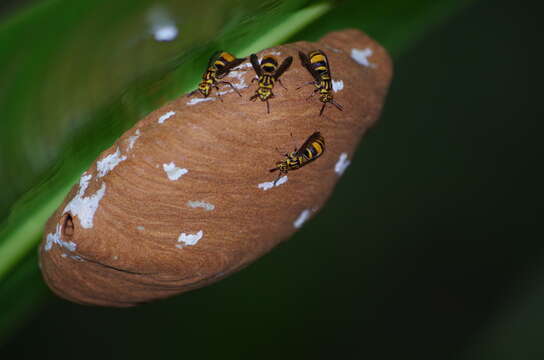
x=229, y=66
x=306, y=63
x=283, y=67
x=316, y=136
x=256, y=66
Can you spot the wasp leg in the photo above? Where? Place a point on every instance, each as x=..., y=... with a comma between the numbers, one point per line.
x=217, y=91
x=192, y=93
x=254, y=97
x=232, y=86
x=254, y=79
x=322, y=108
x=338, y=106
x=282, y=84
x=267, y=107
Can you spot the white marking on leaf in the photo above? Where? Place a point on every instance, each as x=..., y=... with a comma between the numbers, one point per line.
x=165, y=32
x=201, y=204
x=166, y=116
x=173, y=172
x=342, y=164
x=85, y=207
x=361, y=56
x=163, y=27
x=304, y=215
x=189, y=239
x=270, y=184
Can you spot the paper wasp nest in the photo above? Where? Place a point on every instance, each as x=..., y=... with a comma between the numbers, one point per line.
x=185, y=197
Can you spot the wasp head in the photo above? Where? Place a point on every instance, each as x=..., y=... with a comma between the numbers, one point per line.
x=282, y=166
x=325, y=97
x=204, y=88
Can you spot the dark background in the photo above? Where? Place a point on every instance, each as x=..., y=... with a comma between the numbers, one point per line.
x=431, y=242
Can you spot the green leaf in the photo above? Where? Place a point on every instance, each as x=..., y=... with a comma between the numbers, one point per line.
x=77, y=74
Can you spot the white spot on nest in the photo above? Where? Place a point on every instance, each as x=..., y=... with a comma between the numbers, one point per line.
x=189, y=239
x=304, y=215
x=245, y=65
x=166, y=116
x=337, y=85
x=56, y=238
x=133, y=138
x=173, y=172
x=361, y=56
x=108, y=163
x=85, y=207
x=201, y=204
x=342, y=164
x=197, y=100
x=163, y=27
x=239, y=76
x=141, y=228
x=270, y=184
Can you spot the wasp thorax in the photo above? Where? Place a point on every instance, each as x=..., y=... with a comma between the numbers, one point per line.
x=171, y=205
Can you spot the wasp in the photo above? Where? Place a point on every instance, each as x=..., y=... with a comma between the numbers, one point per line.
x=312, y=148
x=318, y=65
x=219, y=65
x=268, y=73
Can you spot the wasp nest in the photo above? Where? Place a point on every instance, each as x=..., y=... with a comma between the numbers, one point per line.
x=185, y=197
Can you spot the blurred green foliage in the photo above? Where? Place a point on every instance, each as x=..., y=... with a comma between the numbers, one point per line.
x=421, y=251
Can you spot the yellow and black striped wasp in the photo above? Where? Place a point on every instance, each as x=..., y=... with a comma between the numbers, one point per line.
x=268, y=73
x=220, y=64
x=317, y=64
x=312, y=148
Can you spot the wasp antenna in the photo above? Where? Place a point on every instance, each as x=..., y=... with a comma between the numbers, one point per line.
x=338, y=106
x=295, y=150
x=267, y=107
x=322, y=108
x=306, y=83
x=272, y=170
